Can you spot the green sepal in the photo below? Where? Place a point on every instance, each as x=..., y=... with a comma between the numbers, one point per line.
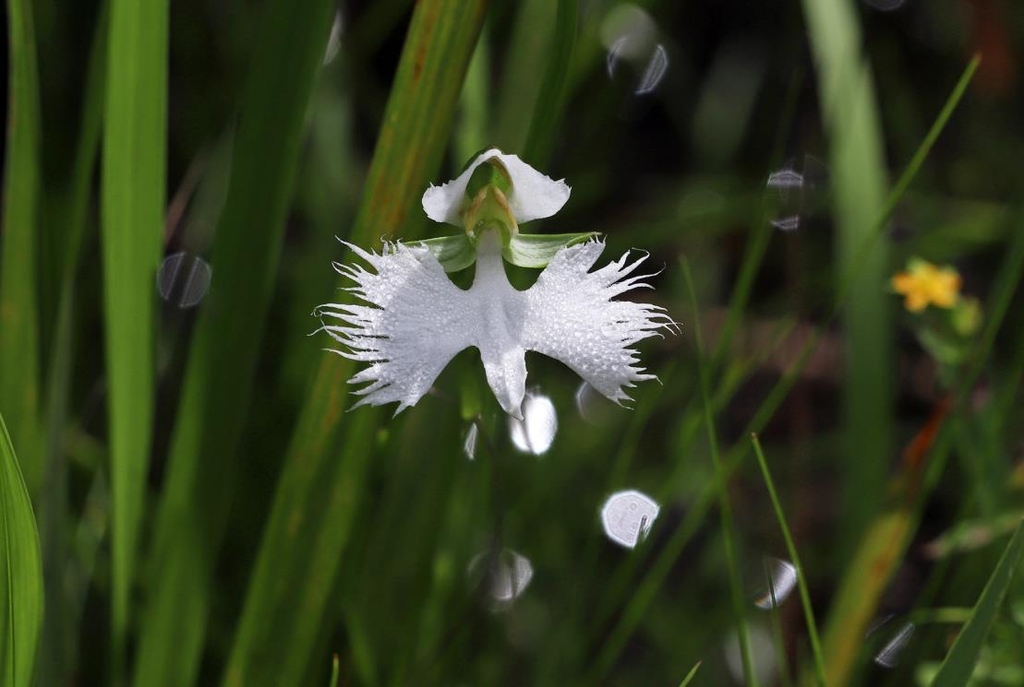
x=453, y=252
x=536, y=250
x=488, y=173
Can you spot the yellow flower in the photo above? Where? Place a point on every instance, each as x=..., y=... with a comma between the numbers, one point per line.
x=924, y=284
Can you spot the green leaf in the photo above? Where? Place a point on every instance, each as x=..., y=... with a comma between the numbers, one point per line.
x=536, y=250
x=552, y=96
x=856, y=603
x=21, y=573
x=323, y=477
x=453, y=252
x=801, y=578
x=19, y=335
x=132, y=209
x=475, y=123
x=69, y=213
x=690, y=675
x=921, y=154
x=725, y=508
x=525, y=58
x=203, y=461
x=334, y=672
x=857, y=160
x=959, y=664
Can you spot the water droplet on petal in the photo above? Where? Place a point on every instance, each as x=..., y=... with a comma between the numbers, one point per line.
x=627, y=517
x=506, y=575
x=536, y=431
x=183, y=279
x=780, y=578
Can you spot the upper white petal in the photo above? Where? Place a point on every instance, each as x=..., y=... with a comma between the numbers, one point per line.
x=571, y=317
x=533, y=196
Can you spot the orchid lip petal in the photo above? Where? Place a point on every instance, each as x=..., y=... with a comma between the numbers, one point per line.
x=414, y=320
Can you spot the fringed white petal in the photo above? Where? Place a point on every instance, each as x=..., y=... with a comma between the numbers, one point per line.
x=571, y=317
x=414, y=323
x=534, y=195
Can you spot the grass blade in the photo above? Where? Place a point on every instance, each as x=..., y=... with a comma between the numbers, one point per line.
x=335, y=669
x=690, y=675
x=71, y=215
x=132, y=192
x=858, y=170
x=871, y=569
x=322, y=479
x=921, y=154
x=203, y=460
x=552, y=91
x=473, y=132
x=525, y=58
x=19, y=333
x=801, y=580
x=728, y=531
x=1005, y=285
x=21, y=572
x=959, y=664
x=879, y=553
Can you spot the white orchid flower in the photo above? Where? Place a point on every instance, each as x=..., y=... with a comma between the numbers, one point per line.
x=414, y=320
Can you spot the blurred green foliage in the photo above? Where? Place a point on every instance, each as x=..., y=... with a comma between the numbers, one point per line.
x=209, y=513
